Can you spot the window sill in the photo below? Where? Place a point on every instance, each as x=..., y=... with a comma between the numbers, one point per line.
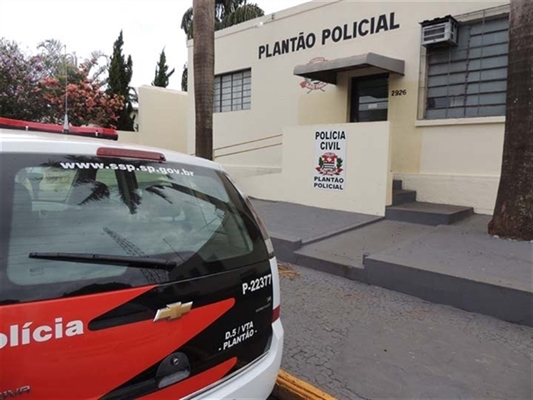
x=230, y=112
x=460, y=121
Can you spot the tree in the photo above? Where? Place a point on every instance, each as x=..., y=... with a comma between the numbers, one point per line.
x=87, y=102
x=57, y=62
x=185, y=78
x=98, y=63
x=513, y=214
x=20, y=92
x=227, y=13
x=118, y=83
x=241, y=12
x=204, y=75
x=54, y=57
x=33, y=88
x=161, y=74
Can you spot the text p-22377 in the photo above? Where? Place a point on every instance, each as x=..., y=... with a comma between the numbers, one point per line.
x=256, y=284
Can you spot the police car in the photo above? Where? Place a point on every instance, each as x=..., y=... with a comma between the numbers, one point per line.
x=129, y=272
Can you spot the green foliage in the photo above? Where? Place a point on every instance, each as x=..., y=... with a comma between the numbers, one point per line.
x=186, y=23
x=57, y=62
x=98, y=64
x=32, y=88
x=20, y=94
x=55, y=59
x=185, y=78
x=161, y=74
x=242, y=14
x=120, y=73
x=227, y=13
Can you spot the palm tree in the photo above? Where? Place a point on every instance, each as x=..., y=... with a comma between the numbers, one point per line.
x=55, y=61
x=513, y=214
x=98, y=64
x=241, y=13
x=204, y=75
x=227, y=13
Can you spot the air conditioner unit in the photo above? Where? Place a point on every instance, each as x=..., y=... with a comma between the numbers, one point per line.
x=440, y=32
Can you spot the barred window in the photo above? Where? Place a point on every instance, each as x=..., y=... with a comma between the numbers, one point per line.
x=470, y=80
x=233, y=91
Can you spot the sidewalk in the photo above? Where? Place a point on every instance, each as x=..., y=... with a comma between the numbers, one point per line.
x=356, y=341
x=458, y=264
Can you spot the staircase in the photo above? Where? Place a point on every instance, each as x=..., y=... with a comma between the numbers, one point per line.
x=405, y=208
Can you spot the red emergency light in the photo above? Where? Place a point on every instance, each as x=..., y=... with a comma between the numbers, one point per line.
x=96, y=132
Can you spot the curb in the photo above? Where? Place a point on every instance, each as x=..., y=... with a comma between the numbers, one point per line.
x=339, y=231
x=289, y=387
x=501, y=302
x=352, y=272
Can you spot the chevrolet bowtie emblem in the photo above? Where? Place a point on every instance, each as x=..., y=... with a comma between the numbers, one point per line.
x=172, y=311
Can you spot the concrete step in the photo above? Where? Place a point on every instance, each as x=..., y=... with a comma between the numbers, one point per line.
x=343, y=254
x=307, y=224
x=428, y=213
x=461, y=268
x=397, y=184
x=340, y=266
x=403, y=196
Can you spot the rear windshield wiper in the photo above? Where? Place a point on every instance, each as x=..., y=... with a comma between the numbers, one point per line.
x=122, y=261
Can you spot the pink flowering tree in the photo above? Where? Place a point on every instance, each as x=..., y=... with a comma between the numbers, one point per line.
x=20, y=92
x=87, y=102
x=33, y=89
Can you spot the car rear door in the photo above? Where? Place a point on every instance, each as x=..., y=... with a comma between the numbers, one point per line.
x=126, y=278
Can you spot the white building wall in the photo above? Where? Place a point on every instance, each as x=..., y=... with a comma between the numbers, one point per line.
x=460, y=163
x=446, y=161
x=162, y=119
x=367, y=170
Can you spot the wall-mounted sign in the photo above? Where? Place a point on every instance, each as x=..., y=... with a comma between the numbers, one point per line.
x=312, y=84
x=364, y=27
x=330, y=159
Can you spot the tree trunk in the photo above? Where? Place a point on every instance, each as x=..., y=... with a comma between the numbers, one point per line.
x=513, y=214
x=204, y=74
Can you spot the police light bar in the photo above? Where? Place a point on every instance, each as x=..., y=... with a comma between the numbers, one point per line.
x=96, y=132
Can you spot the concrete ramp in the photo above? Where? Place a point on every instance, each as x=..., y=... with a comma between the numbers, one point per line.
x=293, y=225
x=343, y=254
x=458, y=265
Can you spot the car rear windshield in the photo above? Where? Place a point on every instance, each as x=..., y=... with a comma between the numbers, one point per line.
x=54, y=205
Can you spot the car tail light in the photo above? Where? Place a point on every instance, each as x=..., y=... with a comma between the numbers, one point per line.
x=126, y=153
x=262, y=228
x=275, y=313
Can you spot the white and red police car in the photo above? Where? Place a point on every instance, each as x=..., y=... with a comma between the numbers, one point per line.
x=129, y=272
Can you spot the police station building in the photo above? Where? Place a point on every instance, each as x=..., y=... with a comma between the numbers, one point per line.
x=326, y=103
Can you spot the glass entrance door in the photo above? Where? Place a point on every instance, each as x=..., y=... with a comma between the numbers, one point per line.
x=370, y=98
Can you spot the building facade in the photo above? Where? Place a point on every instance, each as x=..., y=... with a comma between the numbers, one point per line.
x=326, y=103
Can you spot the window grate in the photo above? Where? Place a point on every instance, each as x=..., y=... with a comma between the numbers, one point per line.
x=470, y=80
x=233, y=92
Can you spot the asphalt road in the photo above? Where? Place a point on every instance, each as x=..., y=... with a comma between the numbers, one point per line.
x=356, y=341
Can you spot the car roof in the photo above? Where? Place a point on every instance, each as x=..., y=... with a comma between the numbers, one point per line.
x=16, y=141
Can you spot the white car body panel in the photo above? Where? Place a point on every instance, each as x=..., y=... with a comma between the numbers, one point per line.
x=256, y=381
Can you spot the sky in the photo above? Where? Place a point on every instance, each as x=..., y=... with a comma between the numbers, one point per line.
x=87, y=25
